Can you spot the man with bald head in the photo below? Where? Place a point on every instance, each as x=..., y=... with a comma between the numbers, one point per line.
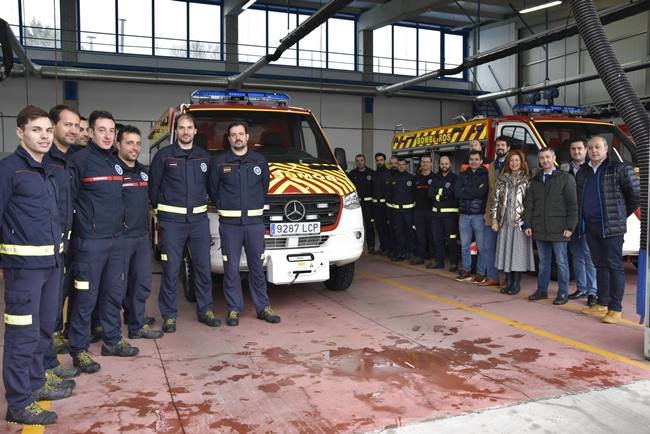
x=608, y=192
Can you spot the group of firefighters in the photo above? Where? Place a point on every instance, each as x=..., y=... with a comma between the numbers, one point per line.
x=75, y=226
x=414, y=216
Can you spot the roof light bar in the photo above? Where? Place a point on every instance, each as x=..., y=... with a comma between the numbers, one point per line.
x=202, y=96
x=546, y=109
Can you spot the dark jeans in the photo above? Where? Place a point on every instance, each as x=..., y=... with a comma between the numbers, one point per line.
x=607, y=254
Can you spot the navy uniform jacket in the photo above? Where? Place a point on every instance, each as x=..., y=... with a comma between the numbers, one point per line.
x=136, y=200
x=363, y=181
x=402, y=190
x=379, y=185
x=442, y=191
x=30, y=230
x=97, y=189
x=238, y=186
x=62, y=174
x=178, y=183
x=422, y=183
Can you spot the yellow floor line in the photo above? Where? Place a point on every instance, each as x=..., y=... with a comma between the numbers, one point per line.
x=516, y=324
x=37, y=429
x=449, y=275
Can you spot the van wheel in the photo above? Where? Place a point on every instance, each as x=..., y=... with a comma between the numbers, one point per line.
x=187, y=280
x=340, y=277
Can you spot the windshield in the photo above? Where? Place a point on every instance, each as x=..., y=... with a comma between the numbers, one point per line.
x=282, y=137
x=558, y=135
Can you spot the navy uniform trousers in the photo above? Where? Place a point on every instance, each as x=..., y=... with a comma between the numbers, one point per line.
x=174, y=236
x=138, y=280
x=30, y=318
x=445, y=230
x=65, y=283
x=369, y=229
x=98, y=271
x=380, y=217
x=233, y=237
x=402, y=221
x=423, y=233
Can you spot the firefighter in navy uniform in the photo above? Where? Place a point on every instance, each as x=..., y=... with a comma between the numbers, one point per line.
x=137, y=252
x=362, y=178
x=422, y=213
x=65, y=121
x=239, y=180
x=178, y=191
x=98, y=239
x=445, y=216
x=402, y=203
x=380, y=213
x=29, y=255
x=390, y=221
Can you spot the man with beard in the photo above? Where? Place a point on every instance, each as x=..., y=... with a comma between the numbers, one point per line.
x=445, y=216
x=178, y=190
x=380, y=210
x=66, y=134
x=98, y=263
x=422, y=213
x=137, y=252
x=490, y=276
x=84, y=132
x=239, y=180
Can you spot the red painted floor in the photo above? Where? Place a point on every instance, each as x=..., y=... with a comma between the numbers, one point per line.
x=382, y=354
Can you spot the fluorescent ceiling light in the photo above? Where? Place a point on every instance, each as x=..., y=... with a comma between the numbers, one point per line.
x=250, y=3
x=540, y=7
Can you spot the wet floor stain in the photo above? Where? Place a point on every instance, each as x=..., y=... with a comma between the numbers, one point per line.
x=231, y=425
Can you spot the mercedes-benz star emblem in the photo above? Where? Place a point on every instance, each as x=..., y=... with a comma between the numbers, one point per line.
x=294, y=211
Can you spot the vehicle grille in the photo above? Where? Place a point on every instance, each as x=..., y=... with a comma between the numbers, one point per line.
x=323, y=208
x=303, y=242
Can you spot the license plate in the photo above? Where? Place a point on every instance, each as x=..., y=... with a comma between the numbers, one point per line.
x=287, y=229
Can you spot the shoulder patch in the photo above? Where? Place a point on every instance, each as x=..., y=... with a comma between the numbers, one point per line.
x=118, y=169
x=257, y=170
x=204, y=167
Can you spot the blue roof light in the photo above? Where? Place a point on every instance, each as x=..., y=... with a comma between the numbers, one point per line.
x=199, y=96
x=549, y=109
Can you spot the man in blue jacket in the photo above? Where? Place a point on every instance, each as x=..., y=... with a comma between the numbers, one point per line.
x=608, y=192
x=30, y=243
x=239, y=180
x=471, y=192
x=137, y=252
x=178, y=191
x=98, y=264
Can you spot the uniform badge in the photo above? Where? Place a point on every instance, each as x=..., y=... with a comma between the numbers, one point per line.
x=144, y=176
x=204, y=167
x=257, y=170
x=118, y=169
x=429, y=181
x=227, y=169
x=368, y=178
x=447, y=184
x=409, y=183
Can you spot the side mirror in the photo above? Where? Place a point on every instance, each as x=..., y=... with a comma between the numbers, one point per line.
x=339, y=153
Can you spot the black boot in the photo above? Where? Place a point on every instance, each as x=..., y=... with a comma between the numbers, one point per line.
x=516, y=283
x=508, y=284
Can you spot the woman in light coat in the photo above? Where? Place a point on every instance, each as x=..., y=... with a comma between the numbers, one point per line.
x=514, y=254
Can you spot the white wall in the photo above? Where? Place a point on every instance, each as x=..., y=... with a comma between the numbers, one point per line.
x=505, y=70
x=141, y=104
x=629, y=39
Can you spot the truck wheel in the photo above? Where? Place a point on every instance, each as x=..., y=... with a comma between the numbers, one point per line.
x=340, y=277
x=187, y=280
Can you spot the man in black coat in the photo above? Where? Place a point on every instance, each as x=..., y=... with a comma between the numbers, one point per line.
x=362, y=178
x=609, y=192
x=550, y=216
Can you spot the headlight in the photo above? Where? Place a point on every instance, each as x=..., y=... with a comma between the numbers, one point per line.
x=351, y=201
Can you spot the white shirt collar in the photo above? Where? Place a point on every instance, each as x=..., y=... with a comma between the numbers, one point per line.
x=594, y=168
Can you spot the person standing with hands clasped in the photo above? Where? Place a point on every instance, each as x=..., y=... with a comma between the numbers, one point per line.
x=239, y=180
x=514, y=250
x=550, y=216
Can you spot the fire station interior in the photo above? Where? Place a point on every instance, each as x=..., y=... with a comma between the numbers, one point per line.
x=385, y=346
